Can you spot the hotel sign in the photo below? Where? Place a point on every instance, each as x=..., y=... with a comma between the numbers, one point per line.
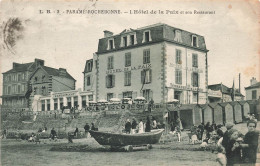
x=145, y=66
x=213, y=93
x=182, y=87
x=64, y=94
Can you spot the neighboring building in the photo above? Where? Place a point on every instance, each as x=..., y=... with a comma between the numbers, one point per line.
x=253, y=91
x=157, y=62
x=16, y=84
x=222, y=93
x=90, y=76
x=45, y=80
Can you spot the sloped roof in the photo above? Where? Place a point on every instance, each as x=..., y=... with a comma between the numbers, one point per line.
x=242, y=102
x=19, y=68
x=224, y=89
x=187, y=107
x=256, y=85
x=55, y=72
x=86, y=67
x=213, y=105
x=234, y=103
x=224, y=104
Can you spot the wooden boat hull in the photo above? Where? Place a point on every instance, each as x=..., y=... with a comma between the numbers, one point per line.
x=112, y=139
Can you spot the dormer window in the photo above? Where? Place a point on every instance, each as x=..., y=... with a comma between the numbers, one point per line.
x=194, y=42
x=132, y=39
x=35, y=79
x=178, y=36
x=124, y=42
x=146, y=36
x=111, y=44
x=89, y=66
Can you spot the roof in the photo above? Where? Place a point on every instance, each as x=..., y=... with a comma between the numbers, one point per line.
x=159, y=33
x=242, y=102
x=224, y=104
x=86, y=65
x=19, y=68
x=224, y=89
x=256, y=85
x=54, y=72
x=187, y=107
x=233, y=103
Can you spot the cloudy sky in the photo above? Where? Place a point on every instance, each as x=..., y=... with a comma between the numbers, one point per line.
x=68, y=40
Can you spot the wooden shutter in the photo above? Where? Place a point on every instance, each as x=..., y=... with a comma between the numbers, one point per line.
x=113, y=80
x=198, y=80
x=107, y=81
x=142, y=76
x=192, y=79
x=150, y=76
x=129, y=78
x=180, y=75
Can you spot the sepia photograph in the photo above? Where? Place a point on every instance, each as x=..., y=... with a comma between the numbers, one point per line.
x=123, y=82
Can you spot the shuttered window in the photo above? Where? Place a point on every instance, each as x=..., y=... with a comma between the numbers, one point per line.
x=146, y=76
x=178, y=76
x=110, y=62
x=178, y=57
x=128, y=78
x=194, y=60
x=110, y=81
x=127, y=59
x=195, y=79
x=146, y=56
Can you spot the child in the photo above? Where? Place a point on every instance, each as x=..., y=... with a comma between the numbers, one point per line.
x=221, y=157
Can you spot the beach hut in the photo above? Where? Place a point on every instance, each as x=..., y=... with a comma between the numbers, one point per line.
x=237, y=110
x=253, y=106
x=217, y=113
x=245, y=108
x=228, y=112
x=207, y=113
x=190, y=114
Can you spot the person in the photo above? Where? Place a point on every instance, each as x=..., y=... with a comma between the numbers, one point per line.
x=133, y=125
x=53, y=133
x=128, y=126
x=86, y=127
x=154, y=123
x=194, y=137
x=4, y=133
x=233, y=153
x=150, y=105
x=208, y=130
x=148, y=125
x=201, y=127
x=76, y=132
x=92, y=127
x=249, y=147
x=225, y=139
x=141, y=126
x=221, y=157
x=177, y=130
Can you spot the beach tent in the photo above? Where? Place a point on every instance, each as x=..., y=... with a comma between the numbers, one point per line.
x=237, y=110
x=217, y=113
x=228, y=112
x=190, y=114
x=245, y=108
x=207, y=113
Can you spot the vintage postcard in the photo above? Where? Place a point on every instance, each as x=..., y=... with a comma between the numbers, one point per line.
x=121, y=82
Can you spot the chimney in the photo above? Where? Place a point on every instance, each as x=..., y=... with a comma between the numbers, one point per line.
x=39, y=62
x=107, y=33
x=253, y=81
x=15, y=65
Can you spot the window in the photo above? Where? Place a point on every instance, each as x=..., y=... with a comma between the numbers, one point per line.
x=132, y=39
x=147, y=94
x=55, y=104
x=19, y=88
x=195, y=79
x=61, y=102
x=178, y=36
x=178, y=57
x=253, y=94
x=194, y=60
x=9, y=77
x=84, y=102
x=146, y=36
x=127, y=94
x=43, y=105
x=127, y=59
x=48, y=105
x=43, y=77
x=19, y=77
x=110, y=62
x=125, y=41
x=146, y=76
x=177, y=95
x=75, y=102
x=35, y=79
x=69, y=102
x=9, y=90
x=89, y=67
x=195, y=97
x=90, y=97
x=110, y=81
x=23, y=88
x=111, y=44
x=194, y=41
x=35, y=90
x=178, y=76
x=128, y=78
x=88, y=80
x=146, y=56
x=110, y=96
x=43, y=90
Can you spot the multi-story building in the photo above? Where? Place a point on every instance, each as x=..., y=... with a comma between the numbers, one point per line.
x=16, y=84
x=222, y=93
x=45, y=80
x=157, y=62
x=253, y=91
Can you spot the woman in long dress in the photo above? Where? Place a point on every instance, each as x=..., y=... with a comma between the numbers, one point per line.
x=141, y=127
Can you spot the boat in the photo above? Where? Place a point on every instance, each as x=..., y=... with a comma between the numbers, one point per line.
x=120, y=140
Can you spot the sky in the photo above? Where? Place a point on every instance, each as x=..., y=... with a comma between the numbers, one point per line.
x=64, y=40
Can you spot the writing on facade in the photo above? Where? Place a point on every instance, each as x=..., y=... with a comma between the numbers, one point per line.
x=145, y=66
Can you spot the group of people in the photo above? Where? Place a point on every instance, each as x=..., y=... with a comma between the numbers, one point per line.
x=141, y=127
x=233, y=143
